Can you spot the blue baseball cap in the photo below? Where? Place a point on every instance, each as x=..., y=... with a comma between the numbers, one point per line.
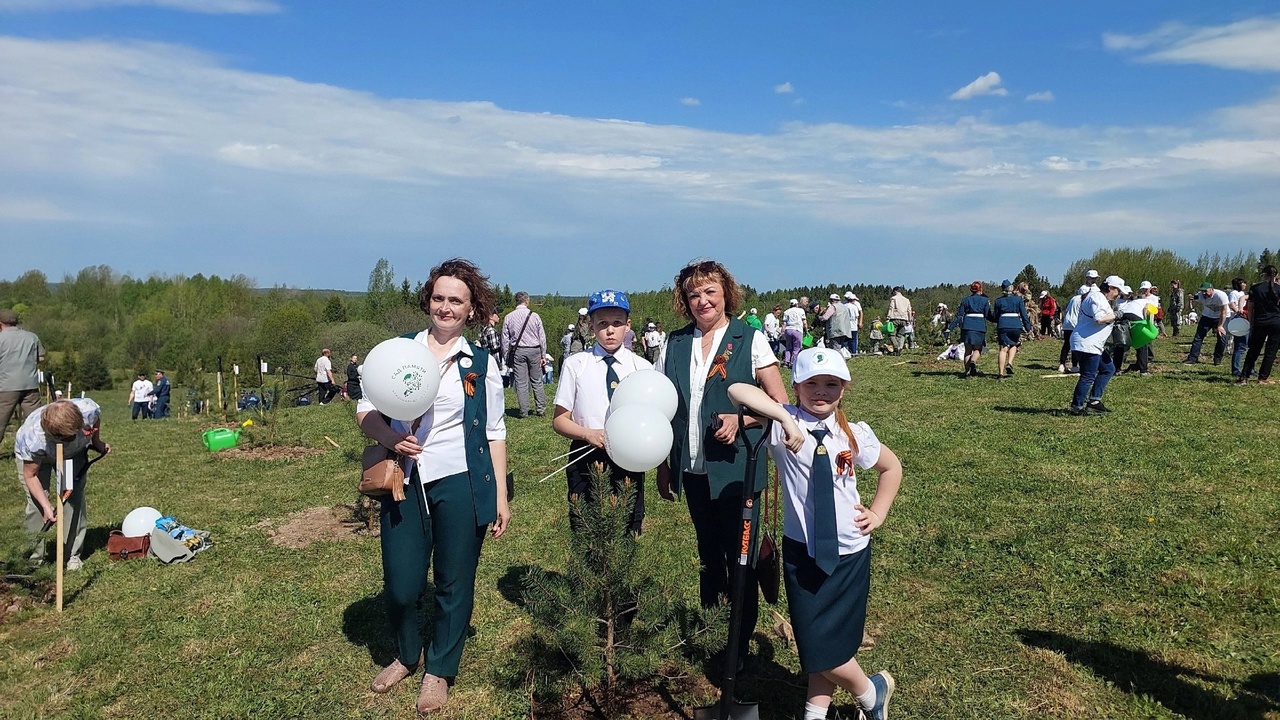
x=608, y=299
x=1006, y=283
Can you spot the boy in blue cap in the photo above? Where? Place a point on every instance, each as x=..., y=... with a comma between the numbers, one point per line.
x=587, y=382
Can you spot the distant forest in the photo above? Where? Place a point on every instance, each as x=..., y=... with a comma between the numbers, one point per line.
x=100, y=327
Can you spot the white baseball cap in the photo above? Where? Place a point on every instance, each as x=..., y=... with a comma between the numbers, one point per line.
x=1091, y=274
x=1114, y=281
x=795, y=301
x=819, y=361
x=1043, y=293
x=582, y=311
x=834, y=296
x=849, y=294
x=571, y=326
x=1126, y=290
x=1144, y=285
x=1084, y=290
x=651, y=326
x=753, y=311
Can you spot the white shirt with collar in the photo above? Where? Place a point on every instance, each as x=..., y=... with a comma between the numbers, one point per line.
x=761, y=357
x=441, y=434
x=795, y=470
x=582, y=388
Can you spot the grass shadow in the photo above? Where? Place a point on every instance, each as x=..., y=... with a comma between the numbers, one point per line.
x=364, y=622
x=511, y=584
x=95, y=539
x=1054, y=412
x=1178, y=688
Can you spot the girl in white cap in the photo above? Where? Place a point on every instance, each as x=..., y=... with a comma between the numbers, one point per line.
x=826, y=531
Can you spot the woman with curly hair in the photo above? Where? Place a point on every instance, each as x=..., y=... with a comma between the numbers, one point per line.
x=703, y=359
x=456, y=456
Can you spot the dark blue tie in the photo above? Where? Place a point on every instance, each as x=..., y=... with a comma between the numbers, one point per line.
x=610, y=377
x=826, y=545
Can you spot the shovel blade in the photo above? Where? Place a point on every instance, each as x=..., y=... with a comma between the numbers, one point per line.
x=737, y=711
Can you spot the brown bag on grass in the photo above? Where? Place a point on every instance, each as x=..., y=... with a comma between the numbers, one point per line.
x=120, y=547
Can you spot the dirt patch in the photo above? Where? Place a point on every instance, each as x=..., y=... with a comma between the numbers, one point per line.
x=663, y=700
x=17, y=593
x=268, y=452
x=317, y=524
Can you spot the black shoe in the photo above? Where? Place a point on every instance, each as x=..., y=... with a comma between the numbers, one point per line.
x=1008, y=369
x=1190, y=362
x=1098, y=407
x=1077, y=411
x=1217, y=362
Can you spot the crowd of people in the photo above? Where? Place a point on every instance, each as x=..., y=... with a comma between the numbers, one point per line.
x=455, y=456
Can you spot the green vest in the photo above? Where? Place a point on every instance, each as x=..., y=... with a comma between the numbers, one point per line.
x=475, y=420
x=726, y=465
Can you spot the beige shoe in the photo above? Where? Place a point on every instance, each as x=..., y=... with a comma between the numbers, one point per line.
x=391, y=675
x=435, y=692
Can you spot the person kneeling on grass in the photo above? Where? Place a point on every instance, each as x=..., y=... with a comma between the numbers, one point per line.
x=826, y=533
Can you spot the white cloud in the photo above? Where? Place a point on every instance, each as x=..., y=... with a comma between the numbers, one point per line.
x=988, y=84
x=249, y=7
x=1252, y=44
x=1045, y=96
x=183, y=149
x=784, y=89
x=690, y=101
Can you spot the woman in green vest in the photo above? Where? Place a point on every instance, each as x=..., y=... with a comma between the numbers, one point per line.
x=455, y=475
x=703, y=359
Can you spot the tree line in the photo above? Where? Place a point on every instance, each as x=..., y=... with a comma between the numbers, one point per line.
x=101, y=327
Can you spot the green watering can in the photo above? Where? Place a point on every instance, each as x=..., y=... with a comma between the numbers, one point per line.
x=223, y=438
x=1141, y=333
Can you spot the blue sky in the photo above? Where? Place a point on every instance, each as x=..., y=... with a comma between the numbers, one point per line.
x=567, y=146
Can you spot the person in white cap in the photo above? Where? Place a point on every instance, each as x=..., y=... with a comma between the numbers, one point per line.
x=652, y=342
x=854, y=307
x=827, y=528
x=582, y=334
x=1069, y=317
x=1131, y=309
x=1088, y=347
x=1091, y=278
x=794, y=323
x=838, y=327
x=1048, y=312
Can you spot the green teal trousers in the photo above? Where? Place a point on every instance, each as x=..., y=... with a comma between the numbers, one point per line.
x=446, y=538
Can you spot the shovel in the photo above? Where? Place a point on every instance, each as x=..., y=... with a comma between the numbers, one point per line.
x=728, y=708
x=49, y=523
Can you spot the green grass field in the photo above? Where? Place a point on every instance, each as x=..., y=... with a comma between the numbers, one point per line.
x=1036, y=565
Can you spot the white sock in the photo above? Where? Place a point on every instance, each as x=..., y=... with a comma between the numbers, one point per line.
x=813, y=712
x=868, y=699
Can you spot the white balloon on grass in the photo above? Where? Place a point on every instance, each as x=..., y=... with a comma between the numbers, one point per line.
x=637, y=437
x=401, y=378
x=646, y=387
x=140, y=521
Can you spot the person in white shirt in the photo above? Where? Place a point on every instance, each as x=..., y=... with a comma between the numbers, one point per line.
x=456, y=484
x=1237, y=298
x=707, y=463
x=773, y=329
x=1069, y=316
x=827, y=528
x=74, y=423
x=652, y=342
x=1215, y=310
x=794, y=322
x=1088, y=347
x=324, y=377
x=854, y=308
x=582, y=400
x=140, y=397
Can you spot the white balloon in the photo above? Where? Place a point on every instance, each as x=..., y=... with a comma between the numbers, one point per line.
x=401, y=378
x=646, y=387
x=140, y=521
x=637, y=437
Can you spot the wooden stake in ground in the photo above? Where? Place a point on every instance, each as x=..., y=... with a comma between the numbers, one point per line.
x=57, y=511
x=222, y=405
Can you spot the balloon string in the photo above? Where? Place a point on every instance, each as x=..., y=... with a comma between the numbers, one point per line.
x=584, y=452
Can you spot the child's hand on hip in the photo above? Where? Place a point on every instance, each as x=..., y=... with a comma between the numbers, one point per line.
x=867, y=519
